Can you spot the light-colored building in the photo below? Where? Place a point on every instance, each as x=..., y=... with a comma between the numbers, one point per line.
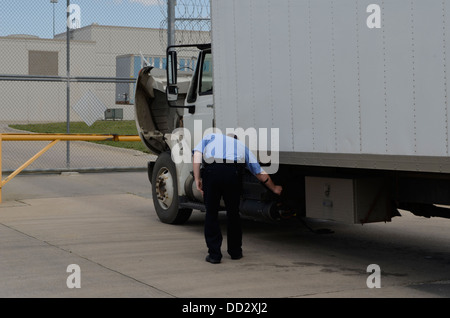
x=95, y=51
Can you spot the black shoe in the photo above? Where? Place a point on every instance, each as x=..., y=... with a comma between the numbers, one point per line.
x=212, y=260
x=236, y=256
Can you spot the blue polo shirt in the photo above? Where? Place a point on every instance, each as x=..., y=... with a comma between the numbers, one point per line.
x=221, y=148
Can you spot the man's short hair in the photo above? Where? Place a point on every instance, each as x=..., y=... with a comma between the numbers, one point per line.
x=232, y=135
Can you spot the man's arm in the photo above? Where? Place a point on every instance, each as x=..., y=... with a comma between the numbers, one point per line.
x=265, y=179
x=198, y=156
x=255, y=168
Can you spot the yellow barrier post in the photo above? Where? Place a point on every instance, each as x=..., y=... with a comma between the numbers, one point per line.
x=54, y=138
x=29, y=162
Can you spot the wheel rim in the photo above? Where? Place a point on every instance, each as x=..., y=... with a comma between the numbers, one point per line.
x=164, y=188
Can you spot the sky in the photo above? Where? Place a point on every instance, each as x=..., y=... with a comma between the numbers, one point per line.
x=35, y=17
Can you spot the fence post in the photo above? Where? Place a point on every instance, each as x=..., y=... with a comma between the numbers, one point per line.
x=1, y=177
x=68, y=84
x=171, y=22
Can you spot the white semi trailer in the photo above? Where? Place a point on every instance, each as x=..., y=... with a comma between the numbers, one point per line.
x=353, y=95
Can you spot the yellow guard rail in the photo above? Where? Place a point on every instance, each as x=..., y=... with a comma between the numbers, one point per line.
x=54, y=138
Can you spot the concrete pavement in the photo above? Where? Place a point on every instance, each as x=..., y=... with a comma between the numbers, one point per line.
x=105, y=223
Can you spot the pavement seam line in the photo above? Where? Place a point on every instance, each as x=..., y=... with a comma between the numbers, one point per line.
x=89, y=260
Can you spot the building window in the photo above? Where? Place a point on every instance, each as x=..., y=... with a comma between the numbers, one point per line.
x=156, y=62
x=42, y=63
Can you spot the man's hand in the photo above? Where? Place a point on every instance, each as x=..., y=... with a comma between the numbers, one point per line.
x=277, y=189
x=199, y=184
x=196, y=168
x=265, y=179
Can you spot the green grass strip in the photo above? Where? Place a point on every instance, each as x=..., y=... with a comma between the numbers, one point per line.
x=116, y=127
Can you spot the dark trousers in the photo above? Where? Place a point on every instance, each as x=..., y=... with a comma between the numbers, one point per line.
x=222, y=180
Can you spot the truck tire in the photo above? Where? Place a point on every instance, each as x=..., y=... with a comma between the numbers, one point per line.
x=165, y=191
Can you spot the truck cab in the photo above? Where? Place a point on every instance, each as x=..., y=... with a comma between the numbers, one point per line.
x=168, y=105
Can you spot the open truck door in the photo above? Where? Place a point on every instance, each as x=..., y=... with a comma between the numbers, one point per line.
x=198, y=100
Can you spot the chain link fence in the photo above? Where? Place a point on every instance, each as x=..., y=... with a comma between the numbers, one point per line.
x=70, y=67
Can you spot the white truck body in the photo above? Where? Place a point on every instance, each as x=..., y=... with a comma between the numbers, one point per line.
x=357, y=91
x=348, y=83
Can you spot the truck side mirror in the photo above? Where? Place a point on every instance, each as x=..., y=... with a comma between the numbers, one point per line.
x=172, y=65
x=172, y=93
x=172, y=89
